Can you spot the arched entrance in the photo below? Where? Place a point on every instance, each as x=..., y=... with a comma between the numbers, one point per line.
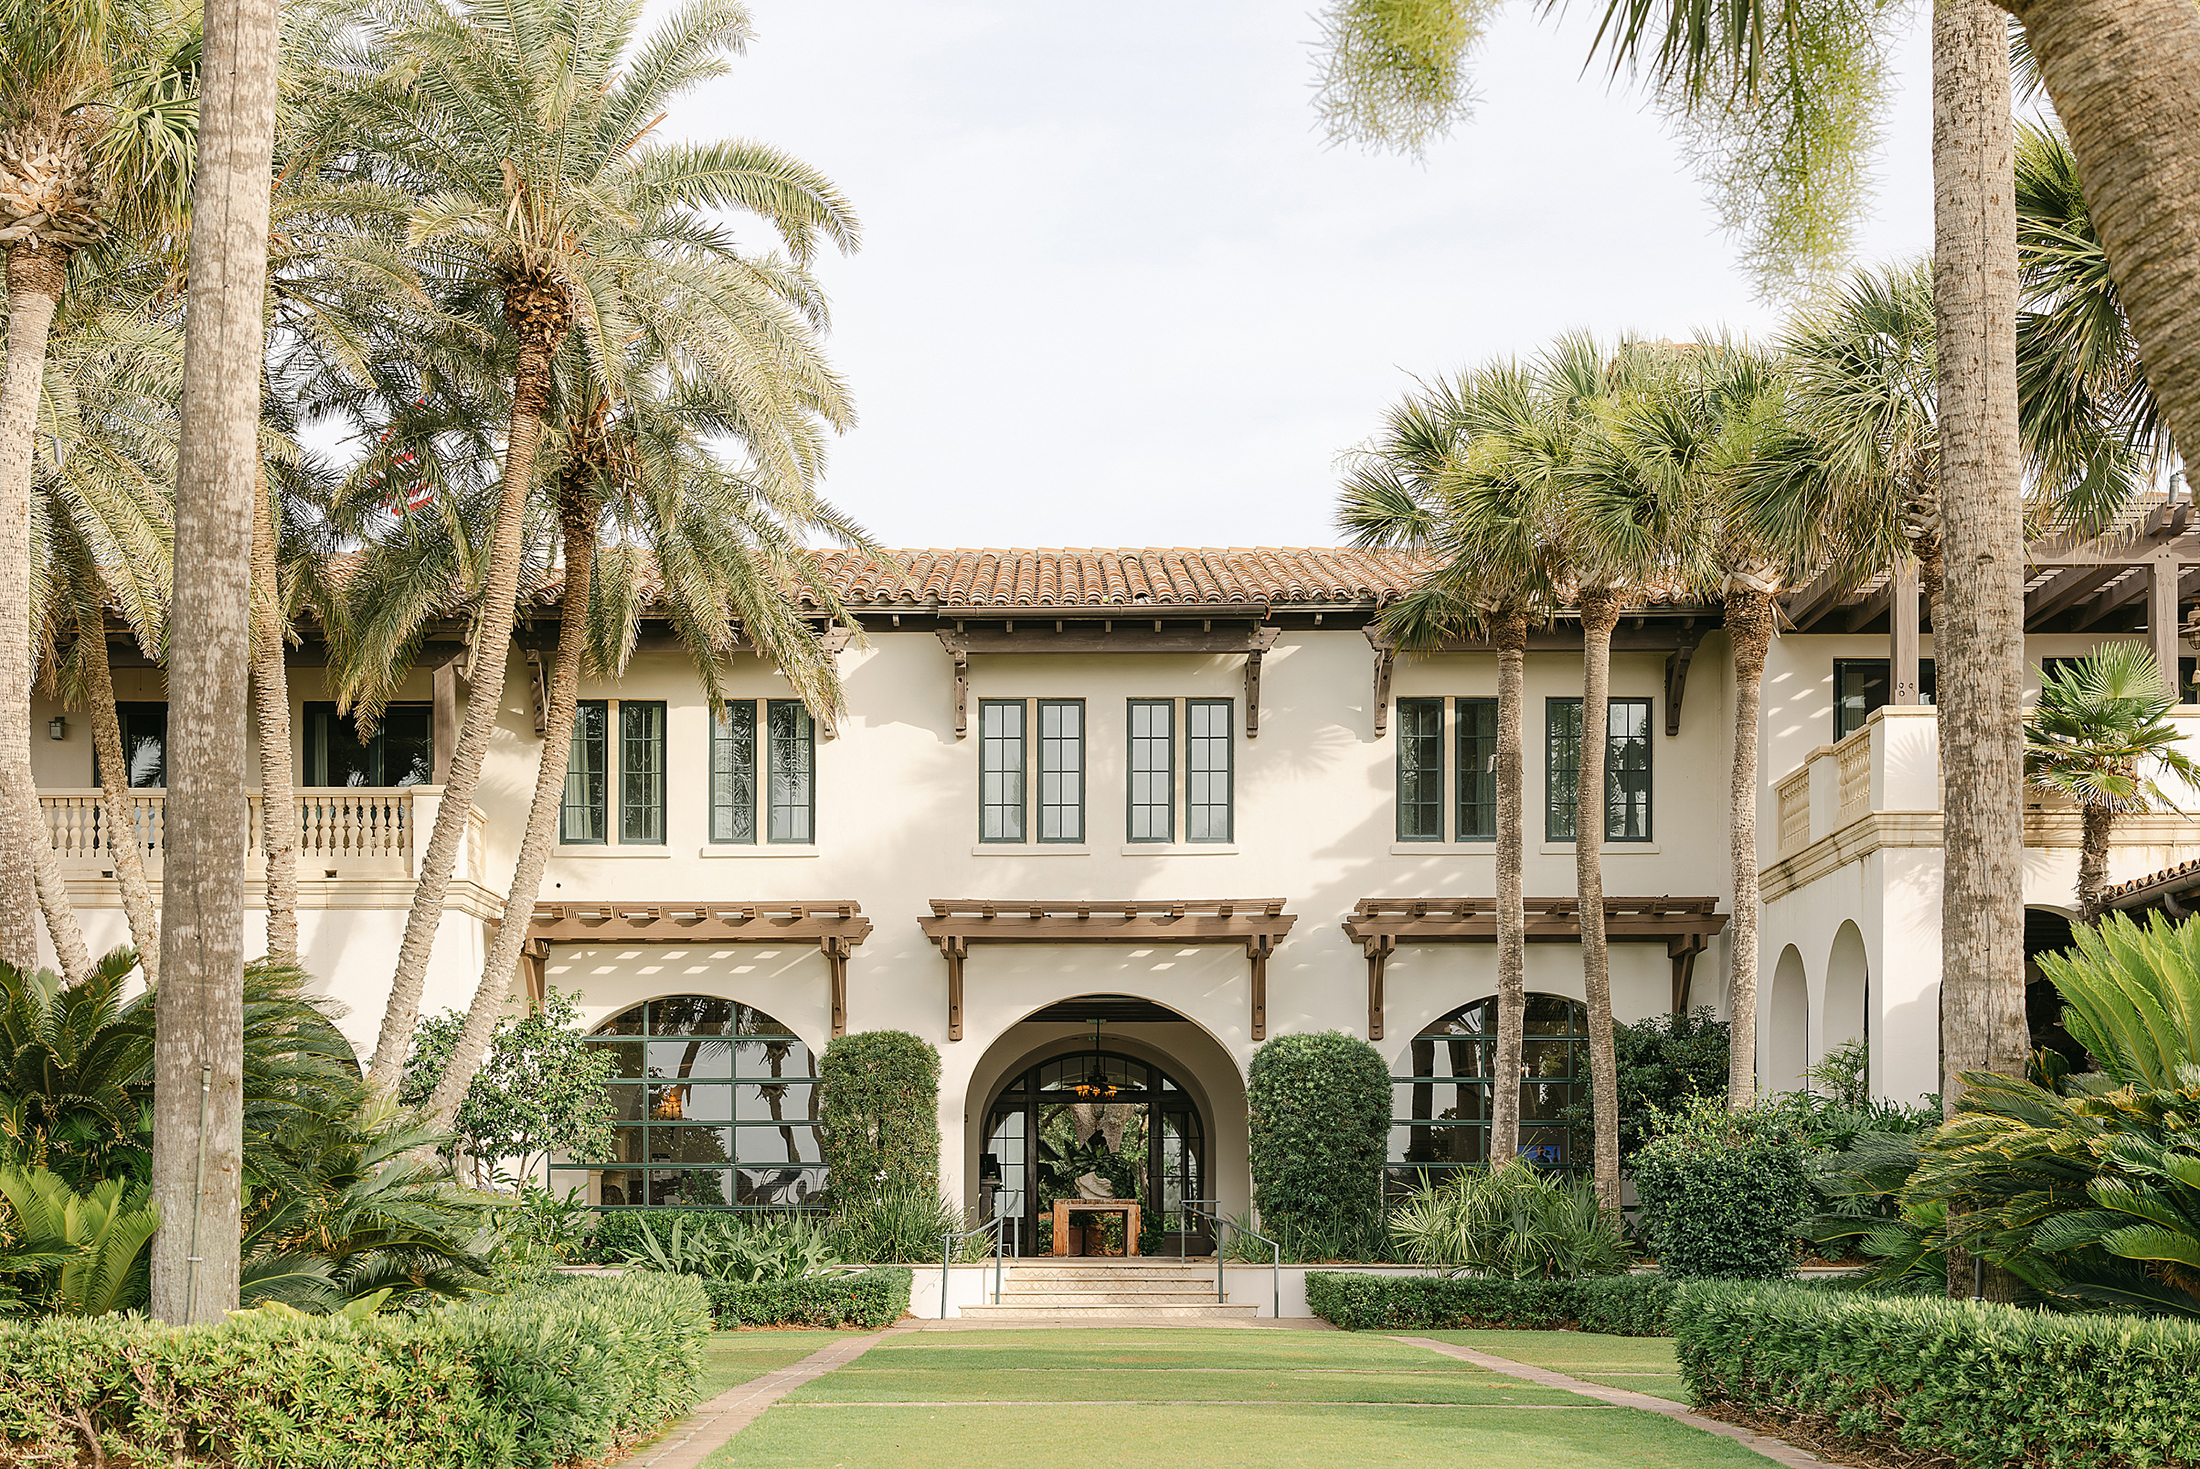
x=1444, y=1079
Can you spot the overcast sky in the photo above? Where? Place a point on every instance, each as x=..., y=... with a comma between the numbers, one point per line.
x=1115, y=289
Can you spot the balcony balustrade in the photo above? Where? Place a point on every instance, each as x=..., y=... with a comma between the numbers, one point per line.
x=343, y=831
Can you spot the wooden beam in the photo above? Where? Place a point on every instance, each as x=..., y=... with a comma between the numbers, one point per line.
x=1806, y=607
x=1379, y=950
x=2113, y=597
x=1549, y=920
x=534, y=961
x=836, y=947
x=835, y=640
x=1256, y=953
x=959, y=650
x=1683, y=950
x=538, y=692
x=1676, y=683
x=2069, y=584
x=1902, y=635
x=1264, y=638
x=444, y=720
x=1385, y=653
x=955, y=951
x=1870, y=608
x=2162, y=578
x=699, y=921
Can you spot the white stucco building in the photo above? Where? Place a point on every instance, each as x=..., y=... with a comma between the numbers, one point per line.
x=1184, y=794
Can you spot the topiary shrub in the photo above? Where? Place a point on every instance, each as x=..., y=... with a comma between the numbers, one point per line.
x=1617, y=1305
x=1723, y=1192
x=1320, y=1119
x=879, y=1116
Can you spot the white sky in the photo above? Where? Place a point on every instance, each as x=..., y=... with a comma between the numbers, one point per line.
x=1116, y=290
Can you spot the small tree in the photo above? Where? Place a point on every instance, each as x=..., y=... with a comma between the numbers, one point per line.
x=1320, y=1119
x=541, y=1092
x=879, y=1116
x=2098, y=736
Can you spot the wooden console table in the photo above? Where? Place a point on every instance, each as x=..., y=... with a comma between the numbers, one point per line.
x=1128, y=1208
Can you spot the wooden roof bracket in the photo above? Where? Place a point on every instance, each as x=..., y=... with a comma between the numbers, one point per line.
x=1379, y=947
x=1386, y=652
x=538, y=693
x=1257, y=950
x=1264, y=638
x=834, y=640
x=1676, y=676
x=958, y=648
x=1683, y=949
x=954, y=950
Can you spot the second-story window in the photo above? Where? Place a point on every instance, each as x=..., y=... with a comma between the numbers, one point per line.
x=1209, y=770
x=400, y=752
x=1001, y=770
x=787, y=775
x=1061, y=770
x=639, y=788
x=1030, y=747
x=1151, y=807
x=1420, y=770
x=1477, y=726
x=1626, y=769
x=1208, y=791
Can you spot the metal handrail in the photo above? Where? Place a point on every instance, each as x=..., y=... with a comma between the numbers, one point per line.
x=993, y=1227
x=1276, y=1309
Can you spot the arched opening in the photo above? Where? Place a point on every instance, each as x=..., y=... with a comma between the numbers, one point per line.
x=714, y=1105
x=1848, y=989
x=1443, y=1079
x=1787, y=1031
x=2047, y=931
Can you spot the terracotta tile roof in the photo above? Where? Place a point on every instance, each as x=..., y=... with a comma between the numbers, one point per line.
x=1108, y=576
x=2168, y=879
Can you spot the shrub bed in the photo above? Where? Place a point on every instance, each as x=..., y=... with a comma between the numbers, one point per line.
x=1621, y=1305
x=547, y=1376
x=869, y=1298
x=1946, y=1381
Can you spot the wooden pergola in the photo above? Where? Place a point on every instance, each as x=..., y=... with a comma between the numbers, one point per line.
x=836, y=926
x=1379, y=925
x=1259, y=924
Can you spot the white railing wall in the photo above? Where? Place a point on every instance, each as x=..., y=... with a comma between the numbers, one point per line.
x=356, y=829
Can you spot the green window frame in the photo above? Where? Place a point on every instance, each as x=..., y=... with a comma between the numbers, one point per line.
x=1420, y=770
x=733, y=774
x=1476, y=724
x=1210, y=770
x=642, y=773
x=1150, y=793
x=1863, y=685
x=1062, y=770
x=793, y=816
x=1441, y=1092
x=1001, y=768
x=582, y=817
x=1628, y=751
x=400, y=752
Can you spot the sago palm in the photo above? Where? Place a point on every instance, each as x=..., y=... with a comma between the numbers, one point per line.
x=522, y=129
x=2099, y=736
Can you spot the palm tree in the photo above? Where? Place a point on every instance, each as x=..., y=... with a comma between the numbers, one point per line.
x=1456, y=473
x=2098, y=736
x=96, y=125
x=197, y=1065
x=542, y=204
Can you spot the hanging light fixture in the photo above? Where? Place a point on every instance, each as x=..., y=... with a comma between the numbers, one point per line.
x=1097, y=1085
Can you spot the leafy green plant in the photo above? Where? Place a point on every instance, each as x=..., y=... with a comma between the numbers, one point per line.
x=1618, y=1305
x=1723, y=1192
x=1513, y=1221
x=89, y=1248
x=72, y=1065
x=745, y=1250
x=901, y=1224
x=1843, y=1075
x=868, y=1298
x=878, y=1115
x=539, y=1092
x=2133, y=996
x=1662, y=1061
x=1319, y=1130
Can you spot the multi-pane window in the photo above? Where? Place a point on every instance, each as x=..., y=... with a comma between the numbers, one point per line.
x=642, y=773
x=1061, y=770
x=1626, y=769
x=1861, y=685
x=144, y=745
x=1208, y=770
x=714, y=1105
x=1476, y=720
x=787, y=774
x=1420, y=770
x=400, y=752
x=639, y=750
x=583, y=818
x=1152, y=800
x=1440, y=1109
x=1001, y=770
x=793, y=783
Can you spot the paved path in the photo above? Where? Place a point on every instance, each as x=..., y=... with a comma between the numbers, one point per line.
x=1774, y=1449
x=690, y=1441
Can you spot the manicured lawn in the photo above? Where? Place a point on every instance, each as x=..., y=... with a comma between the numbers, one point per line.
x=731, y=1358
x=1225, y=1399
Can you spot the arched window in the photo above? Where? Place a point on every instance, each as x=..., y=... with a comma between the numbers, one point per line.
x=1441, y=1092
x=714, y=1105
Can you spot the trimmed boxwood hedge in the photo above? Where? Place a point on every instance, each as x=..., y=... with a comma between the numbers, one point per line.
x=552, y=1375
x=878, y=1098
x=1620, y=1305
x=1943, y=1381
x=868, y=1298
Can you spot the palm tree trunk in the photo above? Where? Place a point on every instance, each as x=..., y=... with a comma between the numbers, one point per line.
x=1749, y=627
x=198, y=1053
x=1978, y=635
x=2093, y=861
x=30, y=874
x=495, y=989
x=530, y=389
x=2121, y=76
x=1512, y=918
x=125, y=847
x=1599, y=614
x=271, y=716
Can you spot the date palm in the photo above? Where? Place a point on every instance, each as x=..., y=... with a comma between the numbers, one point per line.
x=97, y=131
x=2099, y=736
x=522, y=130
x=1456, y=473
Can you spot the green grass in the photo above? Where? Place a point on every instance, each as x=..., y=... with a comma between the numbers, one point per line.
x=1226, y=1438
x=1667, y=1385
x=1576, y=1353
x=980, y=1351
x=1175, y=1386
x=731, y=1358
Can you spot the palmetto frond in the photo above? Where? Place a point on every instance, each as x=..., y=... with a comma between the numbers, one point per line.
x=2099, y=733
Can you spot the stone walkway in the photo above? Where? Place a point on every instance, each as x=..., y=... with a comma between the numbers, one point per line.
x=1777, y=1450
x=689, y=1442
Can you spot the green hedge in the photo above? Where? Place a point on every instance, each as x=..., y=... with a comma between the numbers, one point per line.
x=1723, y=1193
x=1947, y=1381
x=1621, y=1305
x=548, y=1376
x=878, y=1098
x=868, y=1298
x=1319, y=1129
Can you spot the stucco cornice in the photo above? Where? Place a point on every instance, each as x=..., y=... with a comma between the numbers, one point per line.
x=2043, y=827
